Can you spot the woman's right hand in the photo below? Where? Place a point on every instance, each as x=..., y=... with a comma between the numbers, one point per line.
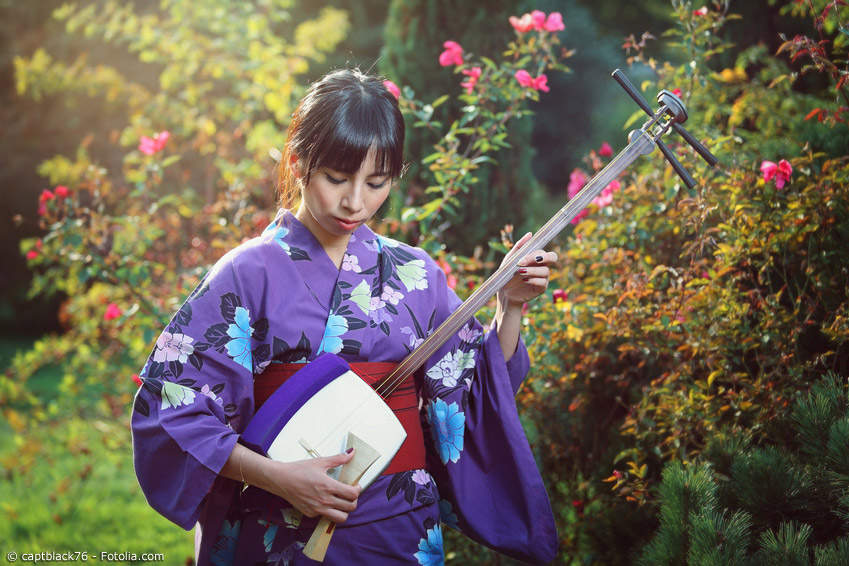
x=306, y=485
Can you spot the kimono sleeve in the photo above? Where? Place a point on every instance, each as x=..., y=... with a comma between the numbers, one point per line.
x=487, y=476
x=195, y=385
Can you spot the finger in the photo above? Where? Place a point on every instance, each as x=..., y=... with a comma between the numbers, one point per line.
x=345, y=492
x=539, y=257
x=518, y=245
x=532, y=271
x=329, y=462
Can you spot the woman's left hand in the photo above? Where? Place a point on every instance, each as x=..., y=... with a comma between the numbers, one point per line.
x=531, y=279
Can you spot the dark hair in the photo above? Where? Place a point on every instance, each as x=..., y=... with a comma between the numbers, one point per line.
x=343, y=115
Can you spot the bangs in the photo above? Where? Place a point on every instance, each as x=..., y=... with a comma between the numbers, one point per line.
x=362, y=121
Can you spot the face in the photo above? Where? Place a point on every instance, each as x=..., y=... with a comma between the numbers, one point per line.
x=335, y=203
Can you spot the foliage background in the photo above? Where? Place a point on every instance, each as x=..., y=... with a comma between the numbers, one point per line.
x=688, y=399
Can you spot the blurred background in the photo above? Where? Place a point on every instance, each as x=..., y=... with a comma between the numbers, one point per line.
x=688, y=402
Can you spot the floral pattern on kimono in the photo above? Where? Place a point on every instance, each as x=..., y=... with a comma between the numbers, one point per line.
x=279, y=298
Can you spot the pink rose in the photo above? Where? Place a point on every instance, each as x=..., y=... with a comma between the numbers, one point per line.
x=61, y=191
x=523, y=24
x=781, y=172
x=393, y=88
x=113, y=311
x=453, y=54
x=677, y=92
x=150, y=146
x=554, y=22
x=605, y=150
x=540, y=83
x=474, y=74
x=32, y=254
x=577, y=180
x=538, y=19
x=524, y=78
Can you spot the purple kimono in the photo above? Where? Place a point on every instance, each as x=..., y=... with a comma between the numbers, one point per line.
x=280, y=298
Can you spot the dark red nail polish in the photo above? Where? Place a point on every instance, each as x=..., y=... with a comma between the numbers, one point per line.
x=526, y=278
x=349, y=450
x=523, y=270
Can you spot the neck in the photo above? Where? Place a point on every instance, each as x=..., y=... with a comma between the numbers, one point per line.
x=334, y=246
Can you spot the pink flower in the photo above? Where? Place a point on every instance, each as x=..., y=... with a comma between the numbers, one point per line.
x=46, y=196
x=524, y=78
x=540, y=83
x=538, y=19
x=577, y=180
x=32, y=254
x=606, y=196
x=113, y=311
x=150, y=146
x=453, y=54
x=701, y=11
x=137, y=380
x=474, y=74
x=559, y=295
x=677, y=92
x=605, y=150
x=523, y=24
x=393, y=88
x=61, y=191
x=554, y=22
x=781, y=172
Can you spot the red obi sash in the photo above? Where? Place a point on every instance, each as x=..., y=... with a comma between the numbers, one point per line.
x=403, y=402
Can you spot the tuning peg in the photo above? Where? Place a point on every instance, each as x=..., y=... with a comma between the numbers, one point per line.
x=674, y=106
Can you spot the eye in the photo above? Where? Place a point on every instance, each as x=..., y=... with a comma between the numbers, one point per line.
x=379, y=185
x=334, y=180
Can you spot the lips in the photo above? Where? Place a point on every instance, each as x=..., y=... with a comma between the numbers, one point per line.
x=346, y=224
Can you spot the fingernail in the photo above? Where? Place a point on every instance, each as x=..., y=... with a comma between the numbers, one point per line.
x=523, y=270
x=526, y=279
x=539, y=259
x=349, y=450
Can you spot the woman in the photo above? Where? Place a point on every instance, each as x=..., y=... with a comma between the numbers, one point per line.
x=317, y=281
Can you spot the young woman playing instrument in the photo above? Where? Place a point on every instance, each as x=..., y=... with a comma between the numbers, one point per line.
x=319, y=280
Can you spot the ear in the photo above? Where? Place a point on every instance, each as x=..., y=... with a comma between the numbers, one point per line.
x=295, y=165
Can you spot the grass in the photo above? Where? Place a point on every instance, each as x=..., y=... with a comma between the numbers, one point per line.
x=68, y=485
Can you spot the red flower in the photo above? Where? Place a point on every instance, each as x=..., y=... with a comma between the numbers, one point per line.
x=474, y=74
x=701, y=11
x=559, y=296
x=46, y=196
x=150, y=146
x=32, y=254
x=453, y=54
x=393, y=88
x=781, y=172
x=113, y=311
x=605, y=150
x=676, y=92
x=61, y=191
x=137, y=380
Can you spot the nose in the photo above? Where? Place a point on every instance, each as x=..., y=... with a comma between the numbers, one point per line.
x=353, y=199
